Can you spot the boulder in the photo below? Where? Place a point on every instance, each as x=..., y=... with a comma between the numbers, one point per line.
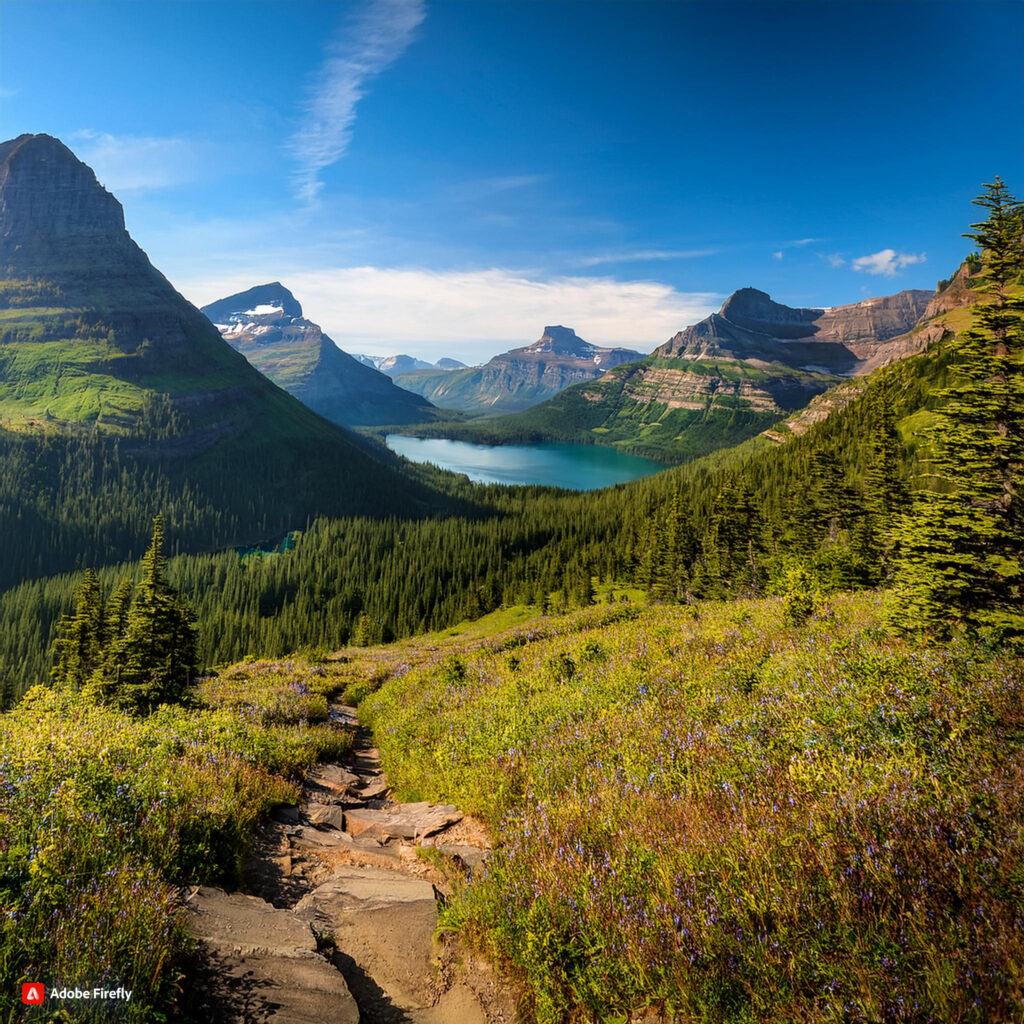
x=382, y=923
x=402, y=821
x=329, y=815
x=267, y=962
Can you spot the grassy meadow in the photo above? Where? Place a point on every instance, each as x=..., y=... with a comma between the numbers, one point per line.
x=698, y=811
x=727, y=818
x=106, y=818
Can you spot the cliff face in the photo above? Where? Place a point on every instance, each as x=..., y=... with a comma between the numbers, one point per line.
x=844, y=340
x=515, y=380
x=63, y=246
x=50, y=202
x=957, y=293
x=266, y=325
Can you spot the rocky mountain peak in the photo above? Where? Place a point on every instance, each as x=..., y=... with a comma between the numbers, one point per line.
x=562, y=340
x=51, y=202
x=264, y=301
x=757, y=311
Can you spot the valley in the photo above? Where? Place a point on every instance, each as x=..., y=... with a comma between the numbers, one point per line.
x=719, y=382
x=494, y=681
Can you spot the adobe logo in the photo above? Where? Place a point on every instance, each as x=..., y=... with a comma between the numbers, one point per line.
x=32, y=993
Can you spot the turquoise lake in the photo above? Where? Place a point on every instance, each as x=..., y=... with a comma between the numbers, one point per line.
x=579, y=467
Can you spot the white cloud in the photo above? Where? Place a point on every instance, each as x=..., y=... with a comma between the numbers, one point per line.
x=833, y=259
x=887, y=262
x=376, y=35
x=804, y=241
x=125, y=163
x=642, y=256
x=473, y=314
x=777, y=255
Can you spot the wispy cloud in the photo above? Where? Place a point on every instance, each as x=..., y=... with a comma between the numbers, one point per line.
x=833, y=259
x=125, y=163
x=796, y=243
x=642, y=256
x=375, y=36
x=888, y=262
x=474, y=314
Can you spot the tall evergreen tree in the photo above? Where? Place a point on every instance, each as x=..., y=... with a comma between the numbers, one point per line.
x=886, y=494
x=78, y=647
x=962, y=543
x=159, y=647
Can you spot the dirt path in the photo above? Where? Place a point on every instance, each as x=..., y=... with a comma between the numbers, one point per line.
x=337, y=922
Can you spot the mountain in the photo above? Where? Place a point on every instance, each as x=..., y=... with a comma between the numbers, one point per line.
x=520, y=378
x=393, y=365
x=119, y=399
x=947, y=312
x=406, y=364
x=266, y=325
x=722, y=380
x=844, y=340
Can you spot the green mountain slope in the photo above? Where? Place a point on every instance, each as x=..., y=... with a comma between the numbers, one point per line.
x=266, y=325
x=119, y=399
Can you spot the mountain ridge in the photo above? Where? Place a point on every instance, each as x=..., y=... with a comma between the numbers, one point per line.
x=514, y=380
x=265, y=323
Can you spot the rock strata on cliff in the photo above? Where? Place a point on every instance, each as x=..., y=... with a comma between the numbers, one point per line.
x=844, y=340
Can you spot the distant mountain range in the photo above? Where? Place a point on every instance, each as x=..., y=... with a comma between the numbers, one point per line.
x=518, y=379
x=266, y=325
x=392, y=365
x=119, y=399
x=724, y=379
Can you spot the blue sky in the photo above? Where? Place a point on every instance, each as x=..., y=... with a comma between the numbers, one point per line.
x=442, y=177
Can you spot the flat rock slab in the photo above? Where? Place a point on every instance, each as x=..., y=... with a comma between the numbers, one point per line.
x=326, y=814
x=339, y=848
x=332, y=778
x=246, y=925
x=402, y=821
x=374, y=788
x=266, y=962
x=286, y=990
x=383, y=924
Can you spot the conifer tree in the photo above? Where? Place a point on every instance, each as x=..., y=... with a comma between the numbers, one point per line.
x=78, y=647
x=886, y=495
x=159, y=648
x=962, y=543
